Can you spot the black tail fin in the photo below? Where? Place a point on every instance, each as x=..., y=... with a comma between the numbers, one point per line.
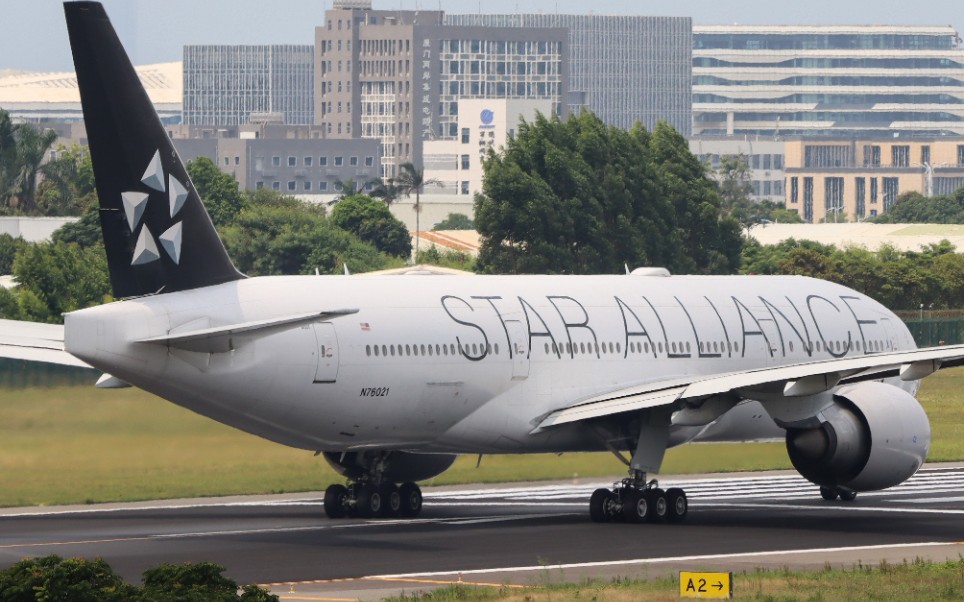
x=157, y=234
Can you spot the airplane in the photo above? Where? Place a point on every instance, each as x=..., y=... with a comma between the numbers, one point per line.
x=389, y=377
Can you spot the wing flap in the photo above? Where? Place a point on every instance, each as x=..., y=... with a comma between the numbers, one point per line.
x=795, y=379
x=221, y=339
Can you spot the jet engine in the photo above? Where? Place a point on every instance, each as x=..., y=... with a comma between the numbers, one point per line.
x=394, y=467
x=874, y=436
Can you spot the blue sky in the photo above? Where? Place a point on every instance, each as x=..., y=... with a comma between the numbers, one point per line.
x=35, y=38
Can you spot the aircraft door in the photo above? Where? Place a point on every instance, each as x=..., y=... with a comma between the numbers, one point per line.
x=518, y=349
x=327, y=352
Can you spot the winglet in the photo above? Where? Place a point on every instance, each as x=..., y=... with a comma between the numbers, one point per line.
x=157, y=234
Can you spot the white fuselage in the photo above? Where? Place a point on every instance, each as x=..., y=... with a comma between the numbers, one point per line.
x=466, y=364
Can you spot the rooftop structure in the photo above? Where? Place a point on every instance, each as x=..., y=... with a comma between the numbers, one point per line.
x=53, y=96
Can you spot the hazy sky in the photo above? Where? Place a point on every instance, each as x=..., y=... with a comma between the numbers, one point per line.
x=35, y=39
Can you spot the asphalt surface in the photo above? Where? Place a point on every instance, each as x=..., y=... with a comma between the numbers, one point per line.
x=503, y=534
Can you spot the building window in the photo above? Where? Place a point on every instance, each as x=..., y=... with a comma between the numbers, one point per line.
x=369, y=161
x=309, y=161
x=777, y=161
x=794, y=192
x=322, y=161
x=873, y=193
x=322, y=186
x=307, y=185
x=860, y=188
x=891, y=190
x=276, y=185
x=339, y=161
x=227, y=161
x=291, y=185
x=465, y=161
x=960, y=154
x=353, y=161
x=808, y=200
x=925, y=155
x=338, y=187
x=871, y=156
x=900, y=156
x=833, y=199
x=292, y=161
x=465, y=135
x=276, y=161
x=465, y=186
x=259, y=185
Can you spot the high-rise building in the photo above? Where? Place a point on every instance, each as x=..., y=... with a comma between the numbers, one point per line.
x=225, y=85
x=827, y=79
x=398, y=75
x=624, y=68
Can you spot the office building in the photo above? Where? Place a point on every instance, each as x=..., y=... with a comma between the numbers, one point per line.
x=851, y=179
x=225, y=85
x=397, y=76
x=764, y=157
x=827, y=80
x=624, y=68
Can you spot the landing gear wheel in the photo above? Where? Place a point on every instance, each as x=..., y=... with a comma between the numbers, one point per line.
x=335, y=497
x=391, y=500
x=829, y=493
x=410, y=497
x=637, y=506
x=601, y=506
x=657, y=504
x=848, y=496
x=369, y=502
x=677, y=505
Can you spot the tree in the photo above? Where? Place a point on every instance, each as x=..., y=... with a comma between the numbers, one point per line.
x=32, y=145
x=55, y=578
x=412, y=179
x=219, y=191
x=8, y=157
x=372, y=222
x=386, y=191
x=85, y=232
x=578, y=196
x=55, y=278
x=68, y=183
x=9, y=247
x=455, y=221
x=913, y=207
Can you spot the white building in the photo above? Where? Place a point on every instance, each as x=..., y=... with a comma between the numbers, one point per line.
x=483, y=124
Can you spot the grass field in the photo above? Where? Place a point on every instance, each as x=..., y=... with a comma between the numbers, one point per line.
x=80, y=444
x=916, y=581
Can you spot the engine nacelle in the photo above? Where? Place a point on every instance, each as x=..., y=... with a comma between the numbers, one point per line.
x=874, y=436
x=396, y=467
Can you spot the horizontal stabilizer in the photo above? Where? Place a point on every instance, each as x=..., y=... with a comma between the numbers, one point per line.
x=35, y=342
x=221, y=339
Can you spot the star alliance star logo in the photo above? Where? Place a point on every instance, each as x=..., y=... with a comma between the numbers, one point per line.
x=145, y=249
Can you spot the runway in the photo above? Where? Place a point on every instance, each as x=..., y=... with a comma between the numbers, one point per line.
x=503, y=534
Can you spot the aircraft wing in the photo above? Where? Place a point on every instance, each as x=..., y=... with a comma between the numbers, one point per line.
x=789, y=380
x=35, y=342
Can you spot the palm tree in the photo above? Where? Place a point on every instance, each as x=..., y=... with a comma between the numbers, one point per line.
x=412, y=179
x=32, y=145
x=8, y=156
x=386, y=191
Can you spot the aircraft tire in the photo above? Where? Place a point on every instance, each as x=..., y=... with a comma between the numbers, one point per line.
x=636, y=506
x=601, y=506
x=677, y=506
x=829, y=493
x=391, y=500
x=848, y=496
x=369, y=502
x=335, y=501
x=410, y=496
x=658, y=505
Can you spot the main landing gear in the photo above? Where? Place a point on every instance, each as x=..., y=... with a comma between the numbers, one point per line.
x=832, y=493
x=633, y=500
x=365, y=499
